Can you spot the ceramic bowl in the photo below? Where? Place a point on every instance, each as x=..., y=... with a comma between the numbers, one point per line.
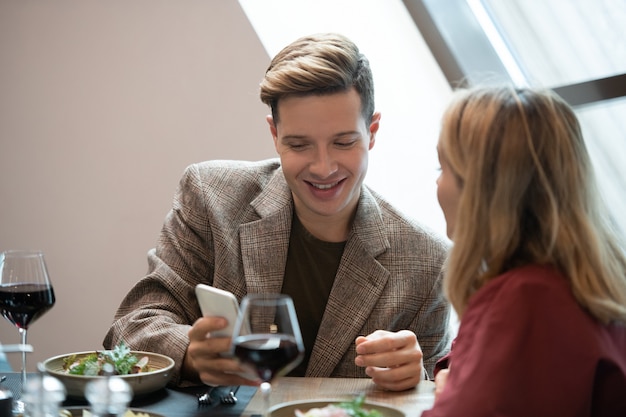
x=142, y=383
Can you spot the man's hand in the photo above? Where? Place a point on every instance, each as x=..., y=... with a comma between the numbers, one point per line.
x=205, y=357
x=392, y=359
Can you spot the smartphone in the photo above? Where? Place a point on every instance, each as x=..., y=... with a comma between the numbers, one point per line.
x=216, y=302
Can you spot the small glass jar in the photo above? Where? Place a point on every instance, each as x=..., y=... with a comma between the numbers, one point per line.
x=108, y=396
x=42, y=396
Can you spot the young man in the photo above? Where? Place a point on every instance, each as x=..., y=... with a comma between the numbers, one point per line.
x=304, y=225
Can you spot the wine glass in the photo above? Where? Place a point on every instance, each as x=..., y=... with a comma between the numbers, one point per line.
x=25, y=294
x=267, y=338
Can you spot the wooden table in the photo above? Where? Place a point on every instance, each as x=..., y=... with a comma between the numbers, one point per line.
x=182, y=402
x=411, y=402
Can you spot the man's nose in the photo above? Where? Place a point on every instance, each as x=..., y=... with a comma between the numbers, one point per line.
x=324, y=164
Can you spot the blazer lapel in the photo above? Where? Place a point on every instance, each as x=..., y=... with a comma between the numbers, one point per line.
x=358, y=285
x=264, y=242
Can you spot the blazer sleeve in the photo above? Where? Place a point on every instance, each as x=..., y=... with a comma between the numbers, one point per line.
x=156, y=312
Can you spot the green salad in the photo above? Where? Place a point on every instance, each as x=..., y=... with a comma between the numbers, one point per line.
x=352, y=408
x=122, y=360
x=355, y=408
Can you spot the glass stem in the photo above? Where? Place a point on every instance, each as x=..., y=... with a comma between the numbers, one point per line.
x=23, y=341
x=266, y=390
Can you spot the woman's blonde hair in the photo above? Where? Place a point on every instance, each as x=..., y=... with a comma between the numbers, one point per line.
x=528, y=195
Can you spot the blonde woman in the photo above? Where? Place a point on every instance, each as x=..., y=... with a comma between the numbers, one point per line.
x=536, y=274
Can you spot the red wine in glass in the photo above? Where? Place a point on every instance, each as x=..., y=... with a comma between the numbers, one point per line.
x=25, y=294
x=22, y=304
x=270, y=355
x=266, y=338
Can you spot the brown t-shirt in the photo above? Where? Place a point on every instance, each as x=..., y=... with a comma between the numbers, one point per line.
x=309, y=275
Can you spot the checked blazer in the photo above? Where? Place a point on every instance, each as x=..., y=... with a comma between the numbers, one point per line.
x=229, y=227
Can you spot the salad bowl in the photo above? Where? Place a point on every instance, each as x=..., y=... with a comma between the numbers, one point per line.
x=156, y=377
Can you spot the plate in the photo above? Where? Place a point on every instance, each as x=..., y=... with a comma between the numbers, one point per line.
x=142, y=383
x=289, y=409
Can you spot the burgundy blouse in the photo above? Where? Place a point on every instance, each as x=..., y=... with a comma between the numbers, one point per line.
x=525, y=347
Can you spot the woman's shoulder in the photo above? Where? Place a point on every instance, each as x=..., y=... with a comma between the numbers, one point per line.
x=530, y=289
x=529, y=279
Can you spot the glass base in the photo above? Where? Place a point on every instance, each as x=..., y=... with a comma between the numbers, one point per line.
x=18, y=407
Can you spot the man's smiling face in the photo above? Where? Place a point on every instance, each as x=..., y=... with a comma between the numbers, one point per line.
x=323, y=143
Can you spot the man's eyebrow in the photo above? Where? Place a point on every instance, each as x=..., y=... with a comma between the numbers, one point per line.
x=287, y=137
x=348, y=133
x=336, y=135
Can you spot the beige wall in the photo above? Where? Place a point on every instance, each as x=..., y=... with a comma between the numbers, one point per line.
x=102, y=105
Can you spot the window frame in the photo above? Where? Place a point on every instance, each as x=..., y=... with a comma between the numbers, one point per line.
x=466, y=55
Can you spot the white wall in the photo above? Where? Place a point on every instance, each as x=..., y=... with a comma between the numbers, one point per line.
x=103, y=104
